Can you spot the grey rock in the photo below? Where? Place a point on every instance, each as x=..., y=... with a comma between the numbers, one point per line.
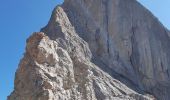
x=96, y=50
x=128, y=39
x=48, y=72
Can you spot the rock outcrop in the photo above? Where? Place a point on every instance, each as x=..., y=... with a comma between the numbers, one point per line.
x=96, y=50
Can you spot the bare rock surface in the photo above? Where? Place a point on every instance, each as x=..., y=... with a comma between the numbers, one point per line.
x=96, y=50
x=48, y=72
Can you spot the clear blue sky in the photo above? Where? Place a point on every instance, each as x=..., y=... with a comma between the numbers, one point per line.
x=19, y=18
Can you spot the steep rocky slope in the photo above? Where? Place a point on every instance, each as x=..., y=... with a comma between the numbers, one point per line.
x=96, y=50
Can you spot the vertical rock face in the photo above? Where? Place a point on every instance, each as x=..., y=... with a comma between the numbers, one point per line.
x=127, y=39
x=96, y=50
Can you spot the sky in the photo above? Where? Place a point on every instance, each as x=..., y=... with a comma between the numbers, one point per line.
x=20, y=18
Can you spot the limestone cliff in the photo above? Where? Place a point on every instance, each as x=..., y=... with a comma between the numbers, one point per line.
x=96, y=50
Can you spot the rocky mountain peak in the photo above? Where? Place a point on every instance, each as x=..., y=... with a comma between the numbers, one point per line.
x=96, y=50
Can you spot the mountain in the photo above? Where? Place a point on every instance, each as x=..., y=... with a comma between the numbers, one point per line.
x=96, y=50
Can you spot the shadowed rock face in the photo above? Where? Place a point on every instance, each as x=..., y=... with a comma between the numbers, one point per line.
x=96, y=50
x=127, y=38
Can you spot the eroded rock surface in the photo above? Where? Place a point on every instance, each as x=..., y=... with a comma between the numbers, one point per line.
x=48, y=72
x=96, y=50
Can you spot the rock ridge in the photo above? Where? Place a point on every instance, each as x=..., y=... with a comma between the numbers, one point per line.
x=96, y=50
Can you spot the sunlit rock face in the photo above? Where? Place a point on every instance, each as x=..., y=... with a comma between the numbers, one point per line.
x=96, y=50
